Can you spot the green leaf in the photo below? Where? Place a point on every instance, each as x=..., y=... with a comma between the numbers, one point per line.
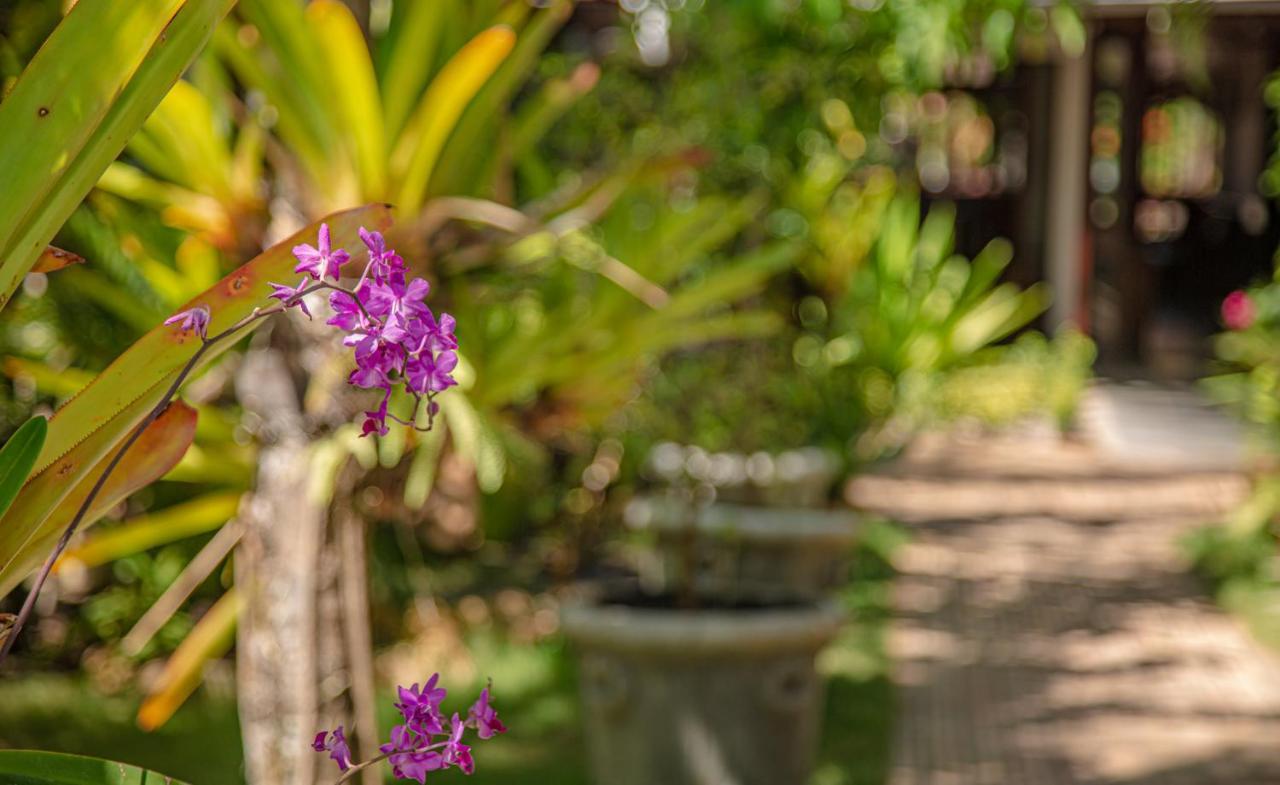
x=64, y=94
x=412, y=56
x=419, y=147
x=353, y=90
x=471, y=146
x=27, y=767
x=18, y=456
x=104, y=69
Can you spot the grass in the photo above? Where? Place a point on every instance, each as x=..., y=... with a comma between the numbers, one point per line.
x=62, y=712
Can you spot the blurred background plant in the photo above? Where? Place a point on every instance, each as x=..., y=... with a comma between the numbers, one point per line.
x=1240, y=557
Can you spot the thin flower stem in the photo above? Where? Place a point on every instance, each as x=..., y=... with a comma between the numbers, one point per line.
x=359, y=767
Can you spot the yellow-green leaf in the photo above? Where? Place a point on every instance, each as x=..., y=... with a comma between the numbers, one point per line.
x=142, y=532
x=413, y=55
x=208, y=640
x=50, y=499
x=452, y=89
x=354, y=90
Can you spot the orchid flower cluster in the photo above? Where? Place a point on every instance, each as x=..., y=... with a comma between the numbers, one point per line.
x=425, y=742
x=396, y=339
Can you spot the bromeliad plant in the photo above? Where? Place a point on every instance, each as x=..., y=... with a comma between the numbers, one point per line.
x=907, y=310
x=397, y=343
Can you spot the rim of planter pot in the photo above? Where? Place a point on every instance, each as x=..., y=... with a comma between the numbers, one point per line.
x=688, y=634
x=835, y=527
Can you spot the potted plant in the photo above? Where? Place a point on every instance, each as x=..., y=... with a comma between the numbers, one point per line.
x=766, y=533
x=715, y=693
x=707, y=675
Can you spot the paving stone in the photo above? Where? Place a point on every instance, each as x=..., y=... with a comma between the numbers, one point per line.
x=1047, y=631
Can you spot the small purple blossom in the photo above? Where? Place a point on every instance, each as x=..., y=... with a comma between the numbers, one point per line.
x=323, y=262
x=291, y=295
x=422, y=706
x=397, y=341
x=427, y=374
x=425, y=741
x=374, y=241
x=192, y=320
x=376, y=421
x=455, y=752
x=483, y=718
x=335, y=743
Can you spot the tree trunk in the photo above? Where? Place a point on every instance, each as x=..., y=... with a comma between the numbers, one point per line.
x=303, y=649
x=277, y=573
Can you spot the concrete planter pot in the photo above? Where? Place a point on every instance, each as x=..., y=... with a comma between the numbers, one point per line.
x=792, y=478
x=752, y=552
x=701, y=697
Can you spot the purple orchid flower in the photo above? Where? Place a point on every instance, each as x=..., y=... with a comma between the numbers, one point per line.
x=376, y=421
x=348, y=314
x=192, y=320
x=427, y=374
x=396, y=339
x=375, y=242
x=323, y=262
x=335, y=742
x=484, y=718
x=291, y=295
x=415, y=701
x=428, y=335
x=455, y=752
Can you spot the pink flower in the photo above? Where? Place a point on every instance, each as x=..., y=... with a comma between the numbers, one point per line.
x=1238, y=310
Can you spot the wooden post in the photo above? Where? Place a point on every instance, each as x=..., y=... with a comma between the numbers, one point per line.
x=1065, y=234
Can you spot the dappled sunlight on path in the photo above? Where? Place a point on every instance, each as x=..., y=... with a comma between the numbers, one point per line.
x=1047, y=630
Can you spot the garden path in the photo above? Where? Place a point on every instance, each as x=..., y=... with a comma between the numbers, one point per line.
x=1047, y=631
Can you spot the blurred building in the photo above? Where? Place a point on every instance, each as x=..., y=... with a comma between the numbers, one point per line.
x=1131, y=172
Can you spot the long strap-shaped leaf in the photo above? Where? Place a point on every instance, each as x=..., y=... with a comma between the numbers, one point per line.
x=418, y=148
x=355, y=90
x=88, y=89
x=49, y=500
x=143, y=532
x=55, y=768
